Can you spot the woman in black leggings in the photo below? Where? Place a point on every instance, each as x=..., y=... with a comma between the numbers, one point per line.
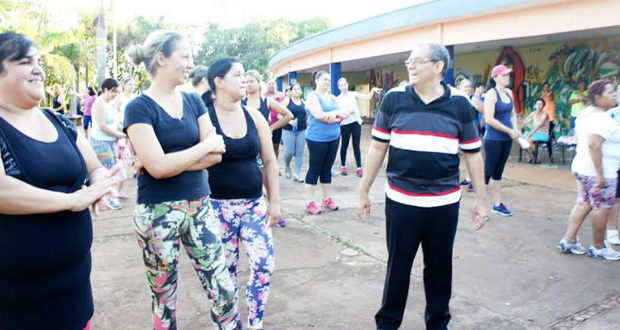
x=500, y=116
x=352, y=125
x=322, y=138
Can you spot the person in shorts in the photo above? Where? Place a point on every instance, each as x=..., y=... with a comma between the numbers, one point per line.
x=595, y=168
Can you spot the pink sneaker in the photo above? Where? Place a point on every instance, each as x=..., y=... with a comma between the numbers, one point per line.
x=311, y=208
x=359, y=172
x=328, y=203
x=343, y=170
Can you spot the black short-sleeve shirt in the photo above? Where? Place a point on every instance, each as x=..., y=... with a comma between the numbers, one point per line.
x=173, y=135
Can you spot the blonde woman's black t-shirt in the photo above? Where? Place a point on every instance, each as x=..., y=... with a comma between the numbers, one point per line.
x=173, y=135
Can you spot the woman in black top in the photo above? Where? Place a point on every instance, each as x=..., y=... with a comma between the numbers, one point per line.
x=277, y=115
x=294, y=134
x=174, y=140
x=45, y=225
x=58, y=100
x=237, y=183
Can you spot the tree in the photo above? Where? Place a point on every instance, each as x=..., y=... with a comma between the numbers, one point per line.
x=101, y=44
x=255, y=43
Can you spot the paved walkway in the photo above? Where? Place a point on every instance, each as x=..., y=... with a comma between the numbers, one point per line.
x=330, y=268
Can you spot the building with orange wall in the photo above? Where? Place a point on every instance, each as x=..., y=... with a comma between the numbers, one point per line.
x=553, y=41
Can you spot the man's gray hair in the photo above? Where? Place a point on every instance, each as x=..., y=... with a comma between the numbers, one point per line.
x=438, y=52
x=463, y=82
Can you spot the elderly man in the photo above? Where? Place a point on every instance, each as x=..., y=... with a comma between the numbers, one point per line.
x=424, y=124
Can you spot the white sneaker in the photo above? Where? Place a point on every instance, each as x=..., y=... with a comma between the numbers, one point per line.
x=613, y=237
x=605, y=253
x=574, y=248
x=114, y=204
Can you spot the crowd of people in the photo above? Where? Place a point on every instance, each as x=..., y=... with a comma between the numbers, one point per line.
x=206, y=163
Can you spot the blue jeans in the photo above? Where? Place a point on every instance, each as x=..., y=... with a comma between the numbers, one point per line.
x=294, y=144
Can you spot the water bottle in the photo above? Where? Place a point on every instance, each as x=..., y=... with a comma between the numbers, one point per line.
x=295, y=128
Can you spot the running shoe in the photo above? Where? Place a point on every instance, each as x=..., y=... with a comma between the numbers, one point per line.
x=343, y=171
x=298, y=178
x=359, y=172
x=328, y=203
x=465, y=182
x=114, y=204
x=311, y=208
x=574, y=248
x=288, y=173
x=606, y=253
x=281, y=223
x=470, y=187
x=613, y=237
x=502, y=210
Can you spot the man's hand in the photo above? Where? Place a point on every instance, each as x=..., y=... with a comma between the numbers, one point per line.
x=363, y=207
x=479, y=215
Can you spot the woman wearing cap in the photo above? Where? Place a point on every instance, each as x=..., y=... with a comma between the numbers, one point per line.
x=501, y=119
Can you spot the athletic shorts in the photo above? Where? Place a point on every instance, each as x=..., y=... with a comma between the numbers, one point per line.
x=587, y=192
x=106, y=151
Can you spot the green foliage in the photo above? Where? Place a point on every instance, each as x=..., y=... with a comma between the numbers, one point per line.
x=254, y=44
x=69, y=57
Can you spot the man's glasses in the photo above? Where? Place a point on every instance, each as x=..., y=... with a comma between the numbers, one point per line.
x=417, y=61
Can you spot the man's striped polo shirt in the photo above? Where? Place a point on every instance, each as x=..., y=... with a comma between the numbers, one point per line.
x=423, y=160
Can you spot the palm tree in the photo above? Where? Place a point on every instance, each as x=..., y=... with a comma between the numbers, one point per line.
x=101, y=44
x=72, y=52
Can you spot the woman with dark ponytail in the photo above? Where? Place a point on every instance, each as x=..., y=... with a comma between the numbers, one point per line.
x=237, y=183
x=501, y=129
x=174, y=141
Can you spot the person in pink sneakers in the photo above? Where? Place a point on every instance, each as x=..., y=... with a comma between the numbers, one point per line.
x=322, y=137
x=352, y=126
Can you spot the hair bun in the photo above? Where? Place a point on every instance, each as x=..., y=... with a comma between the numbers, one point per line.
x=136, y=54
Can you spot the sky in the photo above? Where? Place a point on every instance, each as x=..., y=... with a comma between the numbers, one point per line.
x=231, y=13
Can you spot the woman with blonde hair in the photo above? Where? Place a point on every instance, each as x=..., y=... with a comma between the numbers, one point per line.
x=175, y=142
x=276, y=114
x=198, y=79
x=352, y=126
x=58, y=100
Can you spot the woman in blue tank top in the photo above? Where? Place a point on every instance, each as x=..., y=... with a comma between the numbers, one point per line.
x=237, y=183
x=45, y=226
x=501, y=129
x=322, y=136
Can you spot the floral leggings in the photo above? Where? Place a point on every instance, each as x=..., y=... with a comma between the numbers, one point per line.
x=160, y=228
x=244, y=220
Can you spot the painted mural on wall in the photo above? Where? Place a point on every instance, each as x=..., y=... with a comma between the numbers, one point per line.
x=511, y=58
x=560, y=65
x=382, y=78
x=596, y=60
